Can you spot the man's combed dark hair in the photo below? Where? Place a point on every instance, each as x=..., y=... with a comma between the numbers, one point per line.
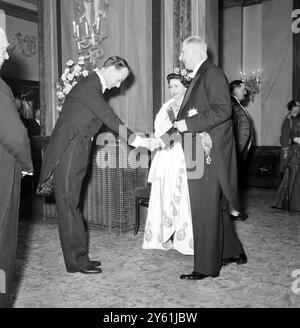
x=235, y=84
x=291, y=104
x=117, y=62
x=179, y=77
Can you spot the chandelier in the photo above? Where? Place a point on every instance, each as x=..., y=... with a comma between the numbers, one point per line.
x=252, y=83
x=88, y=28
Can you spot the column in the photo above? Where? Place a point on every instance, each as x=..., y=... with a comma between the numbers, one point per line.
x=231, y=36
x=277, y=64
x=252, y=60
x=48, y=64
x=296, y=51
x=168, y=46
x=205, y=22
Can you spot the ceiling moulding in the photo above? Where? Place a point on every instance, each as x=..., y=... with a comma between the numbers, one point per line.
x=240, y=3
x=34, y=2
x=19, y=12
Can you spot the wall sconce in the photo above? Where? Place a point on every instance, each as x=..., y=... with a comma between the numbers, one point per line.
x=252, y=83
x=88, y=29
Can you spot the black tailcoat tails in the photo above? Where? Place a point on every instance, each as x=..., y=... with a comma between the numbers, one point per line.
x=82, y=115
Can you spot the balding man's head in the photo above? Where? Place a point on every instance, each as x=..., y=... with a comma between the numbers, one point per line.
x=194, y=50
x=3, y=47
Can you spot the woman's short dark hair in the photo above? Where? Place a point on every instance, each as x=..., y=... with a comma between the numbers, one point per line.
x=117, y=62
x=292, y=104
x=235, y=84
x=179, y=77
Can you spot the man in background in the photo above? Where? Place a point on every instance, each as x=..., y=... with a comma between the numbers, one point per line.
x=243, y=133
x=15, y=161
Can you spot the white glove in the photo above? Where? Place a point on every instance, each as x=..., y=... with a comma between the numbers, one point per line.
x=297, y=140
x=26, y=173
x=150, y=143
x=181, y=126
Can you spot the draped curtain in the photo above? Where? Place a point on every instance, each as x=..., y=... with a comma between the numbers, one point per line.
x=129, y=28
x=182, y=26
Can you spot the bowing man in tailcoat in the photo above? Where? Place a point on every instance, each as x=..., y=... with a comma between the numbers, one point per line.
x=15, y=158
x=67, y=155
x=206, y=108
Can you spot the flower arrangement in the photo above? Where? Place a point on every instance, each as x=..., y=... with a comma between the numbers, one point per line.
x=183, y=72
x=73, y=73
x=252, y=84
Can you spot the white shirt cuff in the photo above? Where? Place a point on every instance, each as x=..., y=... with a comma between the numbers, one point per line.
x=26, y=173
x=137, y=142
x=162, y=144
x=184, y=126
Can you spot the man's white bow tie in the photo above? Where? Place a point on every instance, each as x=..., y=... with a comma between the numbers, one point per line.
x=191, y=75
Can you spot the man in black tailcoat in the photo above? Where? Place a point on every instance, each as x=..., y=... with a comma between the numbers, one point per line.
x=84, y=112
x=207, y=108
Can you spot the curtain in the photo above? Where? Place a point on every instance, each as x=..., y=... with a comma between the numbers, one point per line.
x=182, y=26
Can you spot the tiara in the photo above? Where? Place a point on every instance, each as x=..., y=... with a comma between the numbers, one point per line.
x=183, y=72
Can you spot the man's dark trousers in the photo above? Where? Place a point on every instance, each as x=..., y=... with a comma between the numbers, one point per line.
x=68, y=179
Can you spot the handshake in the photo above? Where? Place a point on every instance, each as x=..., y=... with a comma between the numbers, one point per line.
x=149, y=143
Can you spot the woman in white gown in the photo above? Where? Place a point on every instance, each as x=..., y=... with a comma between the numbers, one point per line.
x=169, y=221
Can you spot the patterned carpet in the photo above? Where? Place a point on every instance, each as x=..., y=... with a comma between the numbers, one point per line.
x=136, y=278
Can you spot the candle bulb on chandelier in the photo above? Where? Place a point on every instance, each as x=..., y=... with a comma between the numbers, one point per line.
x=77, y=31
x=74, y=27
x=86, y=28
x=98, y=23
x=93, y=39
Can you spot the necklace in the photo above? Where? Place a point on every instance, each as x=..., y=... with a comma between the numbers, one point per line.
x=175, y=107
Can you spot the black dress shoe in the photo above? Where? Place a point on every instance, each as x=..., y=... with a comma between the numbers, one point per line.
x=239, y=217
x=241, y=259
x=197, y=276
x=95, y=263
x=90, y=270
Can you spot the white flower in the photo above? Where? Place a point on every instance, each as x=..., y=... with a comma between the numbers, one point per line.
x=60, y=95
x=70, y=77
x=67, y=71
x=85, y=73
x=77, y=68
x=81, y=61
x=67, y=89
x=70, y=63
x=192, y=112
x=64, y=77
